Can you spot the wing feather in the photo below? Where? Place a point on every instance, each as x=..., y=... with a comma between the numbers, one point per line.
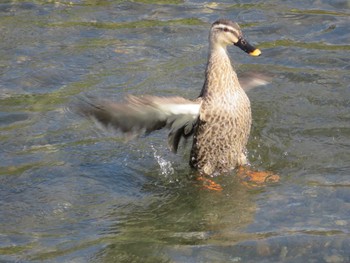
x=143, y=115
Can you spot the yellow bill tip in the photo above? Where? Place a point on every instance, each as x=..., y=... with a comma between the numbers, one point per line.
x=255, y=53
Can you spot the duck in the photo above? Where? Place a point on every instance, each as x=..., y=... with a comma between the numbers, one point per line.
x=219, y=120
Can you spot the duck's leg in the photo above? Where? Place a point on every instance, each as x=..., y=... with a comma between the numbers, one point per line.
x=247, y=176
x=208, y=184
x=256, y=178
x=251, y=177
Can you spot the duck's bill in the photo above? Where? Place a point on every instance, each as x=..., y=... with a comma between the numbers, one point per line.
x=248, y=48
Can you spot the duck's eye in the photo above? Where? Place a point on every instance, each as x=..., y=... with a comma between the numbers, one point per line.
x=226, y=29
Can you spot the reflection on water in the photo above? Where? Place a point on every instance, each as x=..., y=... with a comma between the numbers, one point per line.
x=72, y=192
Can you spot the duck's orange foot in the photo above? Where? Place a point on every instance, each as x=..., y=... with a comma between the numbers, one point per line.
x=256, y=178
x=209, y=184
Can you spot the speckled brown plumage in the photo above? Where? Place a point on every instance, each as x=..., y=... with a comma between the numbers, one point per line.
x=220, y=138
x=224, y=119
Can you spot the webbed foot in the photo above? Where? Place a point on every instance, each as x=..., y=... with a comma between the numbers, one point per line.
x=209, y=184
x=256, y=178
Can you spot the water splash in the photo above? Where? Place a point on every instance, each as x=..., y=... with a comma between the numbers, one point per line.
x=165, y=166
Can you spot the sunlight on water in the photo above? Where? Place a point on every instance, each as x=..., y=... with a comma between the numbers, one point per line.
x=71, y=193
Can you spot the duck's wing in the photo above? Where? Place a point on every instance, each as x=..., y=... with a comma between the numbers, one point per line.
x=142, y=115
x=248, y=81
x=251, y=80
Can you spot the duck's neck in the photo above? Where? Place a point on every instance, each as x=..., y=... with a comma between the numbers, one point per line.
x=219, y=75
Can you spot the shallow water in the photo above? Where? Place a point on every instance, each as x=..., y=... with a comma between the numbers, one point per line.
x=71, y=192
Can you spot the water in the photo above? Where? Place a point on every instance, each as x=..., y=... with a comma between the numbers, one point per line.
x=71, y=192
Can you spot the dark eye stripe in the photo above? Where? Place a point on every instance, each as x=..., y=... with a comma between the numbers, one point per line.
x=226, y=29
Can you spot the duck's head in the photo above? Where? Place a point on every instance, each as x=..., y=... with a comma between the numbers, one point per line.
x=225, y=32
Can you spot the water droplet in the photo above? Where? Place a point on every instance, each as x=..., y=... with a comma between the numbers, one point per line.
x=165, y=166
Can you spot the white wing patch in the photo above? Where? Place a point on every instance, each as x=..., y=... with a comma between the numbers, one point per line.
x=176, y=109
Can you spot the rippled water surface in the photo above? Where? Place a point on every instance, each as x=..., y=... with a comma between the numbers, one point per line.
x=71, y=192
